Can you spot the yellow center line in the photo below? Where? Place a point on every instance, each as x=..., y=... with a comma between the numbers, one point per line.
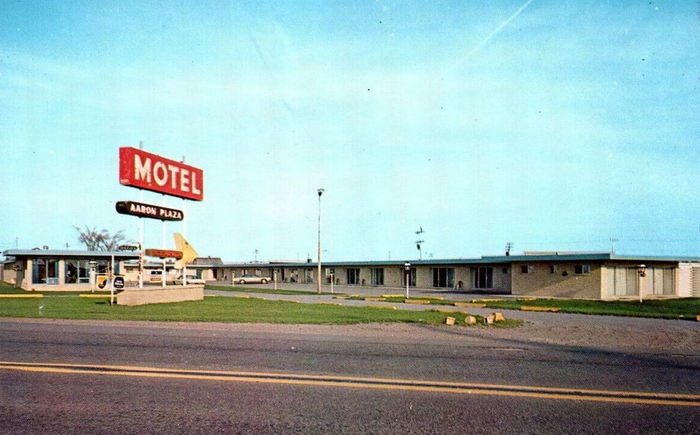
x=610, y=396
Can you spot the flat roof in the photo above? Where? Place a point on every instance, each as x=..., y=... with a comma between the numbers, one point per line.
x=67, y=253
x=495, y=259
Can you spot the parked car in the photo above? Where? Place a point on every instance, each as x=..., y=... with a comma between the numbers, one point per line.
x=191, y=279
x=252, y=279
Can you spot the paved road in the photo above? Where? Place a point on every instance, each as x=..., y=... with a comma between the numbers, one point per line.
x=198, y=378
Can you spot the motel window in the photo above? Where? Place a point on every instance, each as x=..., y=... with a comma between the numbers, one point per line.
x=443, y=277
x=582, y=269
x=353, y=276
x=329, y=274
x=77, y=271
x=483, y=277
x=378, y=276
x=44, y=271
x=662, y=282
x=411, y=276
x=527, y=268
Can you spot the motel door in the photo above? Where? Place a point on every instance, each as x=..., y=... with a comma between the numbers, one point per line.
x=623, y=281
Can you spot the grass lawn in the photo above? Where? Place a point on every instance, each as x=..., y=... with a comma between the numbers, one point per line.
x=686, y=308
x=668, y=309
x=397, y=299
x=263, y=290
x=7, y=289
x=219, y=309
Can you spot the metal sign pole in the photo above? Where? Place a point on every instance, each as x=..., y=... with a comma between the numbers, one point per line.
x=164, y=276
x=111, y=287
x=184, y=234
x=141, y=231
x=141, y=258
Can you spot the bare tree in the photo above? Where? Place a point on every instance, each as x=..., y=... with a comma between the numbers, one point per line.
x=99, y=240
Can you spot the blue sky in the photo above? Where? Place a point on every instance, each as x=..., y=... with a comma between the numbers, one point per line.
x=552, y=125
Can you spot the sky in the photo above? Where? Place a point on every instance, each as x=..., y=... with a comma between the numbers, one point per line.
x=556, y=126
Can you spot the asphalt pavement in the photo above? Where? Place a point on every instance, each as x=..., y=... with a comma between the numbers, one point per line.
x=136, y=377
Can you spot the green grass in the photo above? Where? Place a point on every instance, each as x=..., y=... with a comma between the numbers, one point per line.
x=686, y=308
x=7, y=289
x=217, y=309
x=264, y=290
x=401, y=300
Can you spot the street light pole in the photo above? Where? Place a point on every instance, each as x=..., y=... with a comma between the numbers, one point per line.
x=407, y=267
x=318, y=247
x=641, y=273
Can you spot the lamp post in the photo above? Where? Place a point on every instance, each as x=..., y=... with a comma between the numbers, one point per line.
x=407, y=267
x=318, y=247
x=641, y=272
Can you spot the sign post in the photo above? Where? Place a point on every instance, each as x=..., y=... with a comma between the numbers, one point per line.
x=117, y=283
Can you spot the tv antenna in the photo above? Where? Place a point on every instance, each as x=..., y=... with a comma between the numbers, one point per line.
x=418, y=242
x=509, y=246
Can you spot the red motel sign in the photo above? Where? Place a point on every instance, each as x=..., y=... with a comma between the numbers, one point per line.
x=138, y=168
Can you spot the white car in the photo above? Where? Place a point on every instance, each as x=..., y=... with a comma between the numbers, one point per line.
x=191, y=279
x=252, y=279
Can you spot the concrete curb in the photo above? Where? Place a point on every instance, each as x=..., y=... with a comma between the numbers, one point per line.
x=543, y=309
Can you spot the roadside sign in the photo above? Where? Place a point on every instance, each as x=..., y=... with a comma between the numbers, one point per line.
x=163, y=253
x=148, y=211
x=118, y=282
x=138, y=168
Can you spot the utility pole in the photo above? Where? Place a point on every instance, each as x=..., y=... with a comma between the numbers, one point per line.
x=318, y=247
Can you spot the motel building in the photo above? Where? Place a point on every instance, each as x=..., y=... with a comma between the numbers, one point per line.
x=49, y=269
x=582, y=275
